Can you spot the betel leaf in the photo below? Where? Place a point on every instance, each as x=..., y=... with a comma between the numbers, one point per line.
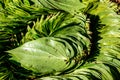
x=61, y=5
x=44, y=55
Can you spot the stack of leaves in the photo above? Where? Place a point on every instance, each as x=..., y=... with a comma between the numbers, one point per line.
x=59, y=39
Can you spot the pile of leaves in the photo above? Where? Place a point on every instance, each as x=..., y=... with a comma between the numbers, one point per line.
x=59, y=40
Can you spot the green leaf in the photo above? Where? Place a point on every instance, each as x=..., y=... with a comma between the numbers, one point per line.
x=65, y=5
x=39, y=54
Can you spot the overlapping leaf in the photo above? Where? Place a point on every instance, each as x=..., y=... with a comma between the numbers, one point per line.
x=66, y=42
